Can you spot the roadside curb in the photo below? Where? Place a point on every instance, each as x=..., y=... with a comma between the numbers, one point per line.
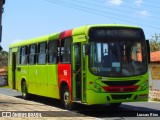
x=154, y=101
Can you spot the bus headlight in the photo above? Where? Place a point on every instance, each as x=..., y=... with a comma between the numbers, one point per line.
x=143, y=86
x=144, y=83
x=97, y=88
x=94, y=85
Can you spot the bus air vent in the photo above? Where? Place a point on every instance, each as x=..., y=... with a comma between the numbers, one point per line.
x=121, y=83
x=117, y=97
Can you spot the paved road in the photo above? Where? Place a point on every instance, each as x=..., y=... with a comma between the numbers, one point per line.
x=9, y=92
x=100, y=111
x=12, y=106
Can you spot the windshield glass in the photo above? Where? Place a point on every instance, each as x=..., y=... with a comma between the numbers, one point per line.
x=117, y=58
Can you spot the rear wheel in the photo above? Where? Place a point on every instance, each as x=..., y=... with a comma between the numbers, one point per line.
x=66, y=101
x=25, y=94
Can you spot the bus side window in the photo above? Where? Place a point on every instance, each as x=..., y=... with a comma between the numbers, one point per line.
x=53, y=52
x=66, y=50
x=23, y=55
x=32, y=54
x=42, y=53
x=19, y=57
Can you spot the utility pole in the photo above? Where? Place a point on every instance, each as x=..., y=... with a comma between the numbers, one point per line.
x=2, y=2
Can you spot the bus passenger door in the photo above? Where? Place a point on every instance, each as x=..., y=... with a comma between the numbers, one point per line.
x=76, y=67
x=14, y=70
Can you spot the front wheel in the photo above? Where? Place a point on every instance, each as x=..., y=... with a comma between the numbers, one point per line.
x=24, y=90
x=66, y=101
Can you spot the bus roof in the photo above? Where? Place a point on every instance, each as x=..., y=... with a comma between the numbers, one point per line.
x=35, y=40
x=59, y=35
x=111, y=25
x=84, y=29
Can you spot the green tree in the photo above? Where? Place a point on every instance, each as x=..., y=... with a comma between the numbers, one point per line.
x=155, y=43
x=3, y=58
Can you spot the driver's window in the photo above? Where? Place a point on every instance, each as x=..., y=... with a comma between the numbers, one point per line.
x=137, y=52
x=106, y=58
x=102, y=53
x=105, y=49
x=99, y=55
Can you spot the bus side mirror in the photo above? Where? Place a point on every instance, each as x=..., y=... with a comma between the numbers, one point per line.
x=87, y=49
x=148, y=50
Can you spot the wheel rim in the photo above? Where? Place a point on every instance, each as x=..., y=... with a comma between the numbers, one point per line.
x=24, y=90
x=66, y=98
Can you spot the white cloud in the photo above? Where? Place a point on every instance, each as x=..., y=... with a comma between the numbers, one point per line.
x=17, y=40
x=138, y=2
x=115, y=2
x=144, y=13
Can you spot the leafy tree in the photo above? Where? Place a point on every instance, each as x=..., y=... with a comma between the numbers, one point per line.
x=3, y=58
x=155, y=43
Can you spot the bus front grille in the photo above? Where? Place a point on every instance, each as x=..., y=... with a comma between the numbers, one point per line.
x=117, y=97
x=121, y=83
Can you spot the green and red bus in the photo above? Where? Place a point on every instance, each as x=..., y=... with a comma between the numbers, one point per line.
x=92, y=64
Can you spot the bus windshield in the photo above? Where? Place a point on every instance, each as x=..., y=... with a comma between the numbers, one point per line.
x=117, y=58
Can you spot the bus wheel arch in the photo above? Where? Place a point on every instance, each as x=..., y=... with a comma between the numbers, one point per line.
x=24, y=89
x=65, y=96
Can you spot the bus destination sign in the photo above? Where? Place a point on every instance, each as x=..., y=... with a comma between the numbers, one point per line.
x=116, y=33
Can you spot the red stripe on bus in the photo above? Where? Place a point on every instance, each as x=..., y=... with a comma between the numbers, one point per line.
x=64, y=75
x=120, y=88
x=66, y=33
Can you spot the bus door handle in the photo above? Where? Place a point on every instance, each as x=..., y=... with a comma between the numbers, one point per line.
x=18, y=69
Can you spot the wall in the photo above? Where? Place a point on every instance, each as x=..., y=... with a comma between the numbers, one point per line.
x=154, y=81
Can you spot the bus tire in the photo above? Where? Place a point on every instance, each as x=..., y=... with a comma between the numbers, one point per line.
x=25, y=94
x=115, y=105
x=65, y=98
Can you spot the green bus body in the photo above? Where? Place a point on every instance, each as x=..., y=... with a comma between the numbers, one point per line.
x=79, y=64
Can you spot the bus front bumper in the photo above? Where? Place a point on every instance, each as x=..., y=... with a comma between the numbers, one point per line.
x=103, y=98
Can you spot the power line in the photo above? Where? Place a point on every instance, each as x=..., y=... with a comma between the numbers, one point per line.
x=80, y=8
x=149, y=21
x=142, y=3
x=112, y=8
x=152, y=1
x=99, y=1
x=128, y=1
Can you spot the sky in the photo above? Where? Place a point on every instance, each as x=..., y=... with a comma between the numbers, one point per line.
x=25, y=19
